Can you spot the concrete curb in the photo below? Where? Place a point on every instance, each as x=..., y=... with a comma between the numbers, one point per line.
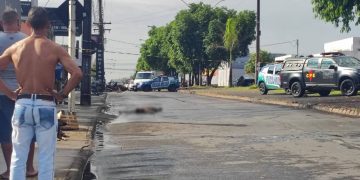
x=353, y=112
x=86, y=152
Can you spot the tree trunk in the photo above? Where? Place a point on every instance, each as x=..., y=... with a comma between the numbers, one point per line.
x=208, y=82
x=213, y=73
x=190, y=83
x=230, y=70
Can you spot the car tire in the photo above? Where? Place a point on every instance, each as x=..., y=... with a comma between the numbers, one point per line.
x=263, y=89
x=158, y=90
x=147, y=88
x=324, y=93
x=297, y=90
x=172, y=89
x=348, y=88
x=288, y=91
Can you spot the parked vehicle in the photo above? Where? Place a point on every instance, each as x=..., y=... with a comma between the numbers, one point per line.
x=322, y=74
x=142, y=77
x=161, y=82
x=269, y=78
x=246, y=80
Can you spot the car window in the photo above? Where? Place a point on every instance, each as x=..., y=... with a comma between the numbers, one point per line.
x=325, y=63
x=157, y=79
x=313, y=63
x=278, y=69
x=347, y=61
x=165, y=79
x=264, y=69
x=271, y=70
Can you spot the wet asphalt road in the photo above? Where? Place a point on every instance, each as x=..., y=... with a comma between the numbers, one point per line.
x=162, y=135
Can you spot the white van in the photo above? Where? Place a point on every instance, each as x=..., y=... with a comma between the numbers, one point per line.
x=141, y=77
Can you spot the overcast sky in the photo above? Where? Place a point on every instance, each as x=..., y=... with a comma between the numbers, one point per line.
x=281, y=21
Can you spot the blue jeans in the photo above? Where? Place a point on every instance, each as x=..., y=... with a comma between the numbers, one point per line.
x=34, y=117
x=6, y=112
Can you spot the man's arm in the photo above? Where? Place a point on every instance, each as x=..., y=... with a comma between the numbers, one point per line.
x=72, y=68
x=8, y=92
x=5, y=58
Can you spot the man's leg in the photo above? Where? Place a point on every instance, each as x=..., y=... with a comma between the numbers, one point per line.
x=30, y=170
x=22, y=135
x=46, y=134
x=6, y=149
x=6, y=111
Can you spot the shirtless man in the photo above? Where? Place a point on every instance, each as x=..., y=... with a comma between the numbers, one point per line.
x=35, y=59
x=11, y=34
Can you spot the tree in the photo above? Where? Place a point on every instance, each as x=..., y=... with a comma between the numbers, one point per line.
x=338, y=12
x=142, y=65
x=265, y=57
x=154, y=52
x=193, y=42
x=231, y=42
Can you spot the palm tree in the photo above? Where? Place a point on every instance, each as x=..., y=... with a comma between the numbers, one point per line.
x=230, y=42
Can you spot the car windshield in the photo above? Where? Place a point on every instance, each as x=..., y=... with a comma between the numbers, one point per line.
x=346, y=61
x=143, y=76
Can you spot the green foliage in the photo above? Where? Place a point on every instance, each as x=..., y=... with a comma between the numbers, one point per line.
x=231, y=35
x=142, y=65
x=338, y=12
x=265, y=57
x=195, y=38
x=154, y=52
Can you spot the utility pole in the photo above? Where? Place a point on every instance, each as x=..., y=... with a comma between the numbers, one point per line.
x=100, y=71
x=297, y=48
x=85, y=97
x=71, y=48
x=100, y=74
x=258, y=33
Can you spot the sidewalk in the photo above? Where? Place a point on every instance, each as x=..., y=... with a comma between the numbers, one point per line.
x=73, y=153
x=336, y=104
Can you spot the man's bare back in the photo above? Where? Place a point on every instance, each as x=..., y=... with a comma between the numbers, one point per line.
x=34, y=60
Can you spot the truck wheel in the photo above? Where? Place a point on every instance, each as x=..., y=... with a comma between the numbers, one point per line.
x=147, y=88
x=159, y=90
x=348, y=88
x=263, y=89
x=172, y=89
x=297, y=90
x=287, y=91
x=324, y=93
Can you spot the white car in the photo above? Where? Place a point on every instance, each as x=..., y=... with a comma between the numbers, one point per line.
x=141, y=77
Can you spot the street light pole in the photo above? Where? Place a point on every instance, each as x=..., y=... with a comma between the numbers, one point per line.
x=258, y=33
x=71, y=48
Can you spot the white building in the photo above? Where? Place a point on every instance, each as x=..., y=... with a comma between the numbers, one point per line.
x=349, y=46
x=221, y=78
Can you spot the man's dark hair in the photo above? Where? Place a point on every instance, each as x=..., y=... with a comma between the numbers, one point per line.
x=38, y=18
x=10, y=17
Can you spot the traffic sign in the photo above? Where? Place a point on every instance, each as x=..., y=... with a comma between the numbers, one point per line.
x=63, y=12
x=59, y=27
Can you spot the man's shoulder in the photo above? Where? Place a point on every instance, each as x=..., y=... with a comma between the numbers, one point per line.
x=22, y=35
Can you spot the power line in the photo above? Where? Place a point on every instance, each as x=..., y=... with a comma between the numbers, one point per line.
x=274, y=44
x=119, y=52
x=185, y=3
x=123, y=42
x=47, y=3
x=119, y=69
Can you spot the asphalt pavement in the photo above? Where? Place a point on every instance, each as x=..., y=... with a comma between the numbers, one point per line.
x=336, y=104
x=163, y=135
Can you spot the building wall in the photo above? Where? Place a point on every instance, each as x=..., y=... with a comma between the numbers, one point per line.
x=238, y=70
x=13, y=4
